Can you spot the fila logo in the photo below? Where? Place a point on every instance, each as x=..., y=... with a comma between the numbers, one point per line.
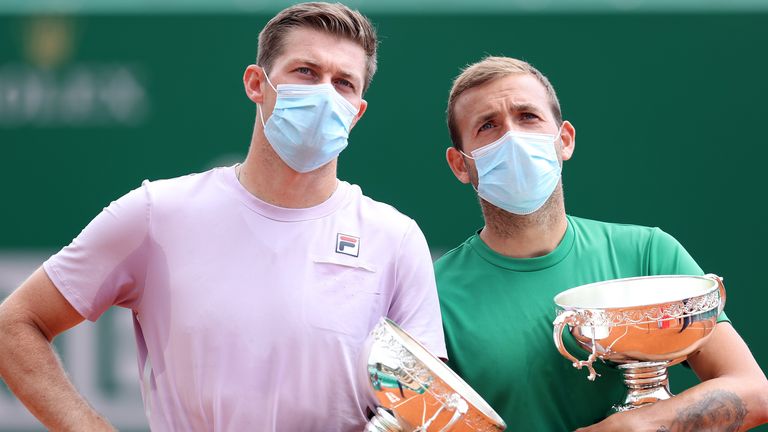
x=347, y=244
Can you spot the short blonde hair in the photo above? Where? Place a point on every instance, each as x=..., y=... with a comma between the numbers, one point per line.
x=332, y=18
x=489, y=69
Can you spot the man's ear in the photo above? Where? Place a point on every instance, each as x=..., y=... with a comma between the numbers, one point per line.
x=253, y=78
x=568, y=136
x=360, y=112
x=456, y=162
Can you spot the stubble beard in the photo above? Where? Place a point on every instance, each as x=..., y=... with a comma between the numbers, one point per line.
x=508, y=225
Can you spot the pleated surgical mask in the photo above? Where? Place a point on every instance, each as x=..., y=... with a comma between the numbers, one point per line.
x=309, y=125
x=518, y=172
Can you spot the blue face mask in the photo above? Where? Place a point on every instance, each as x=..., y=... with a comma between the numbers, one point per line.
x=518, y=172
x=309, y=125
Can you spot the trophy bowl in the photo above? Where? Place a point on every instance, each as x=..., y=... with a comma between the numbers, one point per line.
x=418, y=390
x=640, y=325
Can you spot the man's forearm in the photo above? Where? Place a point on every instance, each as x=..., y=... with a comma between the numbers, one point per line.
x=716, y=410
x=720, y=404
x=34, y=374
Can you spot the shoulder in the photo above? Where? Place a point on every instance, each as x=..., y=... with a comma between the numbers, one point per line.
x=658, y=251
x=184, y=191
x=456, y=266
x=452, y=256
x=183, y=184
x=381, y=216
x=617, y=233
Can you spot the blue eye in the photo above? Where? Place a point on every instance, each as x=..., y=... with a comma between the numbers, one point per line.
x=345, y=83
x=304, y=70
x=485, y=126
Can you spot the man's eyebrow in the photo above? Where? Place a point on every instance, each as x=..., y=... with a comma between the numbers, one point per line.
x=344, y=74
x=349, y=76
x=484, y=116
x=525, y=106
x=304, y=61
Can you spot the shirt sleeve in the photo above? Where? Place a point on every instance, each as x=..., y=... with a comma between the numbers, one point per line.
x=105, y=264
x=415, y=306
x=668, y=257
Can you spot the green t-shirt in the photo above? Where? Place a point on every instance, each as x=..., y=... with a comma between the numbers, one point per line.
x=498, y=313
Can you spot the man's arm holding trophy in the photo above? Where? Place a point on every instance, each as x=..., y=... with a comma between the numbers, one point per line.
x=732, y=395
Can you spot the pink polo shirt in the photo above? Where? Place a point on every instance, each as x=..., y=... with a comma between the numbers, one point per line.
x=250, y=316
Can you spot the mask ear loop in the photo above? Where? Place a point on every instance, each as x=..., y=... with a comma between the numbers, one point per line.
x=261, y=111
x=559, y=135
x=467, y=166
x=466, y=155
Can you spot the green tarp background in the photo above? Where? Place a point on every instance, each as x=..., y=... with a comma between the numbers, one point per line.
x=668, y=108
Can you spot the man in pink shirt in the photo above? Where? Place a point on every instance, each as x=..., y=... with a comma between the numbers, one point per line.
x=252, y=287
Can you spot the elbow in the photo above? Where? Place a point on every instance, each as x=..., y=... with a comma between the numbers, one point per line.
x=17, y=334
x=763, y=402
x=6, y=327
x=760, y=409
x=6, y=338
x=15, y=328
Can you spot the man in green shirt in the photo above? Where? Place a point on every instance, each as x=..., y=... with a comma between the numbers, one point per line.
x=496, y=289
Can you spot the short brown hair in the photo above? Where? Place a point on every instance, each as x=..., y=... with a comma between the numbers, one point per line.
x=332, y=18
x=489, y=69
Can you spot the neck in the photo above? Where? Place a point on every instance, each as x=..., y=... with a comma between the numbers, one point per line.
x=528, y=236
x=268, y=178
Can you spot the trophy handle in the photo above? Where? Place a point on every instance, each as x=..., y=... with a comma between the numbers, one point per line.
x=453, y=402
x=460, y=407
x=720, y=288
x=560, y=323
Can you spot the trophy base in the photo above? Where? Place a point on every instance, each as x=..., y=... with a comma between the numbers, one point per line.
x=383, y=421
x=646, y=382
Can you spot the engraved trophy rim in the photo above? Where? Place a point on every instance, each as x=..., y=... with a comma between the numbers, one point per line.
x=440, y=369
x=695, y=298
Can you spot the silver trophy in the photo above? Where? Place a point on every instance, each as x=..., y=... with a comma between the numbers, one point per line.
x=415, y=391
x=641, y=325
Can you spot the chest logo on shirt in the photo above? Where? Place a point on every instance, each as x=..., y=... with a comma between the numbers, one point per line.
x=347, y=244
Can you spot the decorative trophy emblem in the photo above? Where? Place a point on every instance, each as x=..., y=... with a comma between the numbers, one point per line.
x=640, y=325
x=420, y=393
